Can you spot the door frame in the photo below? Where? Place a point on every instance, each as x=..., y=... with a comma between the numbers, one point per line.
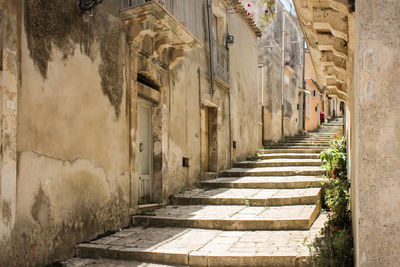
x=149, y=105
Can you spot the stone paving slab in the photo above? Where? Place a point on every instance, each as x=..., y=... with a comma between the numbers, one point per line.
x=272, y=182
x=232, y=217
x=252, y=197
x=200, y=247
x=274, y=171
x=278, y=163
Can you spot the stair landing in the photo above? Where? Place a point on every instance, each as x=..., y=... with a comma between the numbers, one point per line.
x=203, y=247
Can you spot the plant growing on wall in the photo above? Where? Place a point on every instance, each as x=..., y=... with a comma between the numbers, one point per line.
x=269, y=13
x=264, y=17
x=335, y=245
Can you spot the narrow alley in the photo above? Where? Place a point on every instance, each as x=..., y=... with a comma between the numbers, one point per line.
x=199, y=133
x=263, y=212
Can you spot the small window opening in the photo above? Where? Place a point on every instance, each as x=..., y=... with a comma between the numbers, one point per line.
x=148, y=82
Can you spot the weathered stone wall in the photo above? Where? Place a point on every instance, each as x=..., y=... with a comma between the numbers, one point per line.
x=9, y=82
x=375, y=133
x=72, y=173
x=73, y=161
x=246, y=110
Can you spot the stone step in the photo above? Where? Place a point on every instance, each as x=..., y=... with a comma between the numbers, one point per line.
x=310, y=138
x=285, y=156
x=303, y=143
x=267, y=182
x=290, y=150
x=273, y=171
x=103, y=262
x=203, y=247
x=250, y=197
x=302, y=146
x=232, y=217
x=278, y=163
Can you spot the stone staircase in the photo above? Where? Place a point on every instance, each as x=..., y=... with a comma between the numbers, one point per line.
x=262, y=212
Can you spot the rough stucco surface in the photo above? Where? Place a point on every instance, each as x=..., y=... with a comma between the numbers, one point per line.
x=73, y=160
x=376, y=125
x=77, y=172
x=8, y=110
x=65, y=29
x=246, y=111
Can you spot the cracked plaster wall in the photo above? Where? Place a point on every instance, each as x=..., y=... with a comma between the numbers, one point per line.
x=73, y=151
x=246, y=111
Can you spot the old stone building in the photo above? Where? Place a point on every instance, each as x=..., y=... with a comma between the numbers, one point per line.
x=282, y=99
x=355, y=48
x=107, y=109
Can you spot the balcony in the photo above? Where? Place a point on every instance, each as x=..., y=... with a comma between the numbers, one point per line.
x=188, y=12
x=221, y=62
x=156, y=33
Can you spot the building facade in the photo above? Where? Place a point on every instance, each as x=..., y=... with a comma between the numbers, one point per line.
x=111, y=108
x=313, y=98
x=281, y=70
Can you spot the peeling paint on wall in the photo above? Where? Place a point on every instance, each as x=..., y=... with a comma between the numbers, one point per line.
x=57, y=25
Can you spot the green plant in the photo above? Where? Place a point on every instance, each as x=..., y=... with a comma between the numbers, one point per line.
x=333, y=248
x=335, y=245
x=335, y=157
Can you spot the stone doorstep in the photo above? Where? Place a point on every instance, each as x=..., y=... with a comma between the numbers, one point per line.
x=268, y=182
x=273, y=171
x=211, y=248
x=262, y=197
x=278, y=163
x=229, y=218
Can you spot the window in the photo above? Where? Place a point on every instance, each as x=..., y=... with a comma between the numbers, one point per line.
x=314, y=93
x=215, y=28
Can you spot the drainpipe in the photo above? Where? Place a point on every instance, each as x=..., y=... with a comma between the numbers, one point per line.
x=262, y=66
x=210, y=42
x=304, y=84
x=283, y=75
x=230, y=130
x=200, y=108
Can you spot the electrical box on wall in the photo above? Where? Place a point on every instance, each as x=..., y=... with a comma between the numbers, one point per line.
x=230, y=39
